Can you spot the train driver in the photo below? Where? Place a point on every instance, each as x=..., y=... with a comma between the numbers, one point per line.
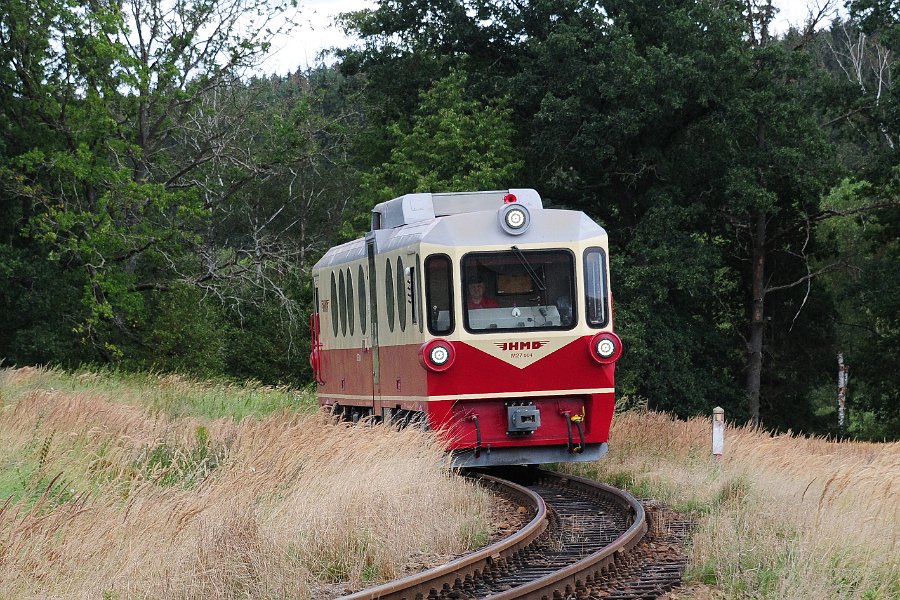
x=476, y=297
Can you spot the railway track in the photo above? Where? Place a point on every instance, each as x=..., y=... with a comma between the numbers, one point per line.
x=585, y=540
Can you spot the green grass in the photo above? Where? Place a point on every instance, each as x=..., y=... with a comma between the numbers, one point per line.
x=25, y=482
x=631, y=483
x=15, y=475
x=172, y=396
x=168, y=464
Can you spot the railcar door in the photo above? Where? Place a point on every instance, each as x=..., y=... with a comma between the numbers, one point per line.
x=360, y=367
x=372, y=365
x=315, y=331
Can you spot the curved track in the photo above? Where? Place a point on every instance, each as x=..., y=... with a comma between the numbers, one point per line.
x=580, y=531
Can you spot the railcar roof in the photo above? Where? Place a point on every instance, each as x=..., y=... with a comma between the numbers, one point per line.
x=345, y=253
x=417, y=208
x=483, y=229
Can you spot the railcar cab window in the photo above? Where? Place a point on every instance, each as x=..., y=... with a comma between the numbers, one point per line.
x=439, y=294
x=417, y=294
x=519, y=289
x=595, y=295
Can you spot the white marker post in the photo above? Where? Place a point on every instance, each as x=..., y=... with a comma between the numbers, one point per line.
x=843, y=378
x=718, y=432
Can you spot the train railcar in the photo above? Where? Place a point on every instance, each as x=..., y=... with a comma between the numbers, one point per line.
x=481, y=315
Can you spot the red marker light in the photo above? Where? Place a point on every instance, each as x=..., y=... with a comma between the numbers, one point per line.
x=509, y=198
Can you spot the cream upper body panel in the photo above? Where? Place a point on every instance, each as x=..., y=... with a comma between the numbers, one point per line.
x=400, y=252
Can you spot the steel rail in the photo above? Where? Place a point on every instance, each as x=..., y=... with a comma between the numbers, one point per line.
x=570, y=579
x=567, y=581
x=421, y=584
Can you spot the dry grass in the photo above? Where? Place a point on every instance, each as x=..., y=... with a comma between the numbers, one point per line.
x=103, y=499
x=783, y=517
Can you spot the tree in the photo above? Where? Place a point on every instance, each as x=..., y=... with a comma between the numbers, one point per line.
x=134, y=158
x=868, y=310
x=774, y=192
x=861, y=219
x=149, y=182
x=453, y=143
x=682, y=127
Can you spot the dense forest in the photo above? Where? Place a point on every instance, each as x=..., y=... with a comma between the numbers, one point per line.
x=163, y=202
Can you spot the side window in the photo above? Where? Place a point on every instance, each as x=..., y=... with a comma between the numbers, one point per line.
x=316, y=307
x=342, y=299
x=439, y=294
x=595, y=296
x=350, y=302
x=334, y=305
x=401, y=294
x=361, y=288
x=389, y=291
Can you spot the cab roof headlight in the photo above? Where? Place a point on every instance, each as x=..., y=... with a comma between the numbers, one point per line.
x=437, y=355
x=606, y=347
x=514, y=218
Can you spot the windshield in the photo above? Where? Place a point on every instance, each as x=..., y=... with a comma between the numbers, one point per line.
x=519, y=289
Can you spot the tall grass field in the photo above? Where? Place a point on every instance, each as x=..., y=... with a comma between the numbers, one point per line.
x=115, y=486
x=780, y=517
x=118, y=486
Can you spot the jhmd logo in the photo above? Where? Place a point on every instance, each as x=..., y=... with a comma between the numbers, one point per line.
x=521, y=345
x=520, y=353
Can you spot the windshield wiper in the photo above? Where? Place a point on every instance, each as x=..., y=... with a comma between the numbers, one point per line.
x=531, y=272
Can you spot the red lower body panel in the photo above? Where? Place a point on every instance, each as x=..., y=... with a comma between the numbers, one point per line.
x=564, y=401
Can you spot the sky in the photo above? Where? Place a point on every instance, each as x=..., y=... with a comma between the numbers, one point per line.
x=316, y=30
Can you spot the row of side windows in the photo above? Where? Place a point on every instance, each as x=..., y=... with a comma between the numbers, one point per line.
x=402, y=304
x=343, y=304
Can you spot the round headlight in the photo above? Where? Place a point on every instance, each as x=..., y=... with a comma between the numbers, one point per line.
x=606, y=347
x=437, y=355
x=514, y=218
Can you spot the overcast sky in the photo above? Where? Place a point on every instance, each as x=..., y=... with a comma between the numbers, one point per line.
x=316, y=30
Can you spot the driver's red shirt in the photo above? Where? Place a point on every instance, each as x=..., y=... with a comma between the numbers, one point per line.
x=486, y=302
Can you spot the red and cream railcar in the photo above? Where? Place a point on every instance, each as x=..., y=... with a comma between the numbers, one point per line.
x=481, y=315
